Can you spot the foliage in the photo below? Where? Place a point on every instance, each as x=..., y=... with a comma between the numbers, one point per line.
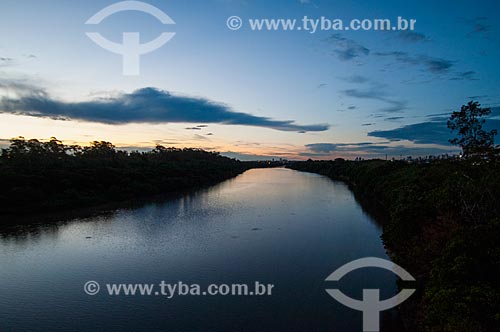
x=45, y=176
x=468, y=122
x=441, y=223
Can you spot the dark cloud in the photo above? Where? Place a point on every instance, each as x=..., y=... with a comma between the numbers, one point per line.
x=478, y=97
x=438, y=116
x=430, y=64
x=331, y=147
x=467, y=76
x=479, y=26
x=192, y=128
x=420, y=133
x=395, y=106
x=434, y=131
x=314, y=155
x=376, y=92
x=367, y=124
x=322, y=147
x=322, y=85
x=412, y=36
x=371, y=150
x=394, y=118
x=380, y=95
x=436, y=65
x=5, y=61
x=147, y=105
x=347, y=49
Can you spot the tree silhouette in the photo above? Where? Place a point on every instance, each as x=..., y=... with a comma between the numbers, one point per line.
x=469, y=122
x=100, y=149
x=39, y=175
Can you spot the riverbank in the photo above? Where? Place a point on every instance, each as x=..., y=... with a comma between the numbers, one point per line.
x=440, y=221
x=268, y=225
x=40, y=177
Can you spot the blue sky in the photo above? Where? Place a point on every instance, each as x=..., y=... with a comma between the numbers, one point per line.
x=267, y=93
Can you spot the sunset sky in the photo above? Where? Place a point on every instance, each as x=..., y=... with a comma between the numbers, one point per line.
x=250, y=94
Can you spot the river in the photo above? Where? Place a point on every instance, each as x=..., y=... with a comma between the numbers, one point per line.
x=274, y=226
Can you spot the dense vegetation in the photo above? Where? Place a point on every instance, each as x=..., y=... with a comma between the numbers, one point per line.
x=441, y=221
x=443, y=225
x=48, y=176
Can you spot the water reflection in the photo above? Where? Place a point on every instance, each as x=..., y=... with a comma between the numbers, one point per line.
x=273, y=225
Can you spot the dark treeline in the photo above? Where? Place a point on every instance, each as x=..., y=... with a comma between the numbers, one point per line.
x=442, y=223
x=49, y=176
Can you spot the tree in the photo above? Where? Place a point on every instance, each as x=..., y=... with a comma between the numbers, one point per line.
x=468, y=122
x=54, y=146
x=18, y=147
x=100, y=149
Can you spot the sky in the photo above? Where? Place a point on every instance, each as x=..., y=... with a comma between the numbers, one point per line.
x=250, y=94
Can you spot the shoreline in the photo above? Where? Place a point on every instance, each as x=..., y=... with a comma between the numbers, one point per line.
x=428, y=229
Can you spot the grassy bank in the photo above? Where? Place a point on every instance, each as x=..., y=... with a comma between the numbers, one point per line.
x=441, y=221
x=50, y=176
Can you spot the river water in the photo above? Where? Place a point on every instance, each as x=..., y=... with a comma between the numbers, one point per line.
x=274, y=226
